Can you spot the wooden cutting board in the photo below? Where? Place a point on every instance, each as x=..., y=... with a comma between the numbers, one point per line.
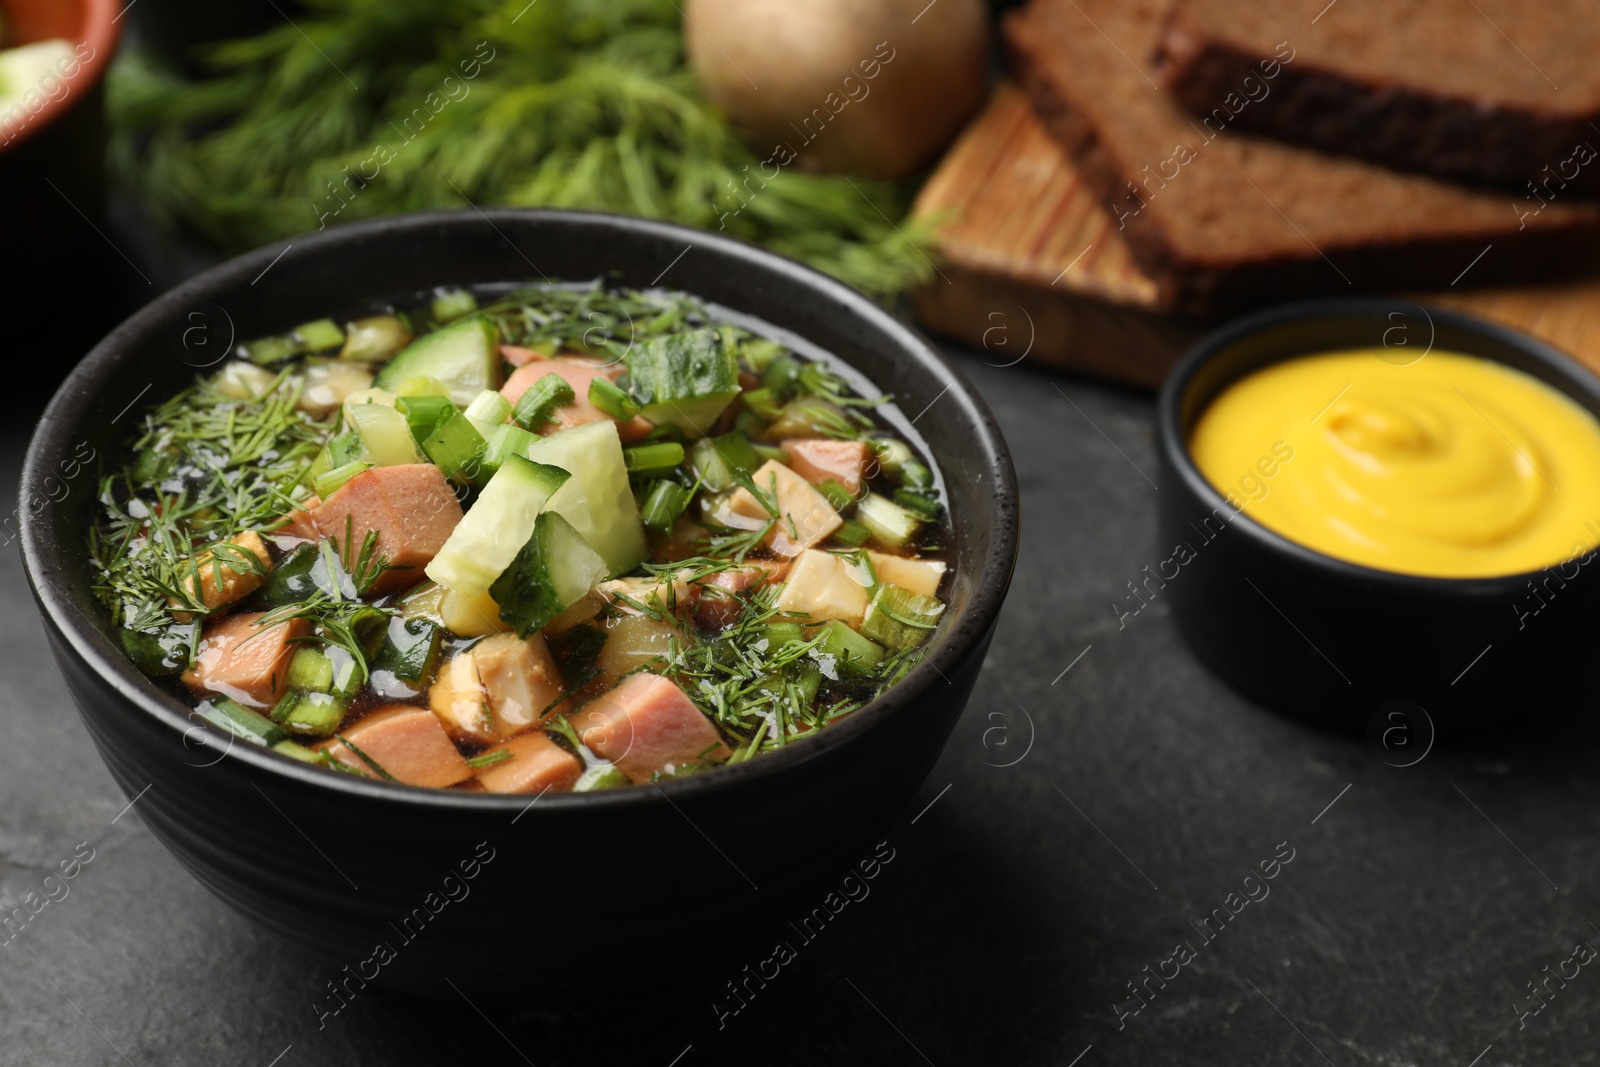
x=1031, y=264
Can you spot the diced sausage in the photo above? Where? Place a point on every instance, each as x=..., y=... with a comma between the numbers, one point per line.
x=498, y=687
x=300, y=523
x=645, y=725
x=537, y=765
x=804, y=515
x=410, y=505
x=242, y=660
x=226, y=576
x=819, y=459
x=578, y=374
x=719, y=603
x=407, y=742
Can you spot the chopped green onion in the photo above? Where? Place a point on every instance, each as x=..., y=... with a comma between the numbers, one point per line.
x=718, y=461
x=311, y=669
x=893, y=455
x=890, y=523
x=295, y=750
x=455, y=446
x=766, y=452
x=490, y=407
x=839, y=498
x=899, y=618
x=241, y=721
x=763, y=402
x=611, y=399
x=664, y=503
x=543, y=397
x=600, y=776
x=506, y=441
x=268, y=350
x=916, y=475
x=852, y=534
x=311, y=713
x=759, y=352
x=424, y=413
x=920, y=504
x=781, y=375
x=653, y=458
x=851, y=653
x=327, y=484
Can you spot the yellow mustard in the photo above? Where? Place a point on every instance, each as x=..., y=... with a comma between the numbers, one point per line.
x=1452, y=466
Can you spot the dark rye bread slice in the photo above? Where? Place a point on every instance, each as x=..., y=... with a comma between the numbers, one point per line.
x=1417, y=84
x=1223, y=220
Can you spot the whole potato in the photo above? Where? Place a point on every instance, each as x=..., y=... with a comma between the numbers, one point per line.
x=874, y=88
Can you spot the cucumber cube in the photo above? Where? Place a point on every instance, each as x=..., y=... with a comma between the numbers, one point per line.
x=465, y=356
x=683, y=379
x=553, y=571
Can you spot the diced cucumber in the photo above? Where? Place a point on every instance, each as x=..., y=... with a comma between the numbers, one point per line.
x=241, y=721
x=290, y=581
x=494, y=529
x=161, y=653
x=410, y=650
x=598, y=500
x=554, y=570
x=845, y=651
x=899, y=618
x=851, y=534
x=890, y=523
x=683, y=379
x=311, y=713
x=465, y=356
x=374, y=339
x=385, y=434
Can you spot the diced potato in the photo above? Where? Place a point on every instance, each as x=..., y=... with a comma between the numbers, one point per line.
x=224, y=580
x=495, y=689
x=820, y=587
x=243, y=381
x=326, y=384
x=634, y=641
x=804, y=515
x=471, y=616
x=918, y=575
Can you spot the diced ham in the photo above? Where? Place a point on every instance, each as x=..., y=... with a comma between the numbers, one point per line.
x=819, y=459
x=578, y=374
x=804, y=515
x=645, y=725
x=537, y=765
x=226, y=576
x=498, y=687
x=410, y=505
x=720, y=604
x=244, y=661
x=407, y=742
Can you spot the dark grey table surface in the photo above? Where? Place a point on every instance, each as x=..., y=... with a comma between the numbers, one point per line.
x=1102, y=795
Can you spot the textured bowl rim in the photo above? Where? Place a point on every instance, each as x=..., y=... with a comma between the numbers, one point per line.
x=48, y=565
x=1175, y=445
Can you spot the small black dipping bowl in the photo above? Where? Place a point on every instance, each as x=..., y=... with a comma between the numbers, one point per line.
x=631, y=891
x=1341, y=644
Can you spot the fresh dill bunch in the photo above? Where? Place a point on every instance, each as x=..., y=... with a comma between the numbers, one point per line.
x=363, y=108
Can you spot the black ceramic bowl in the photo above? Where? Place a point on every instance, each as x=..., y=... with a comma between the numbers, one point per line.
x=1342, y=644
x=624, y=889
